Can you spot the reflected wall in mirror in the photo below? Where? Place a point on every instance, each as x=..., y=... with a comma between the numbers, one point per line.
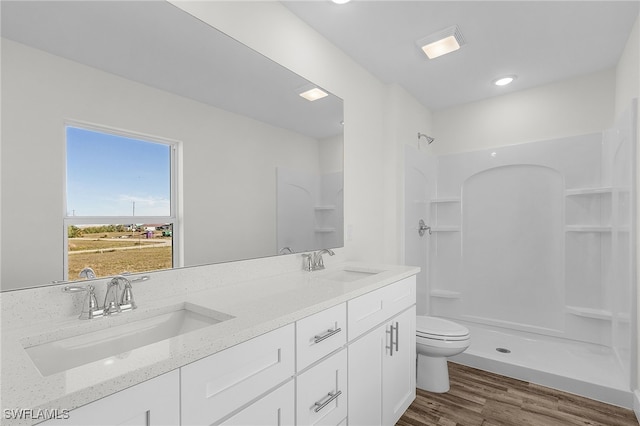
x=259, y=167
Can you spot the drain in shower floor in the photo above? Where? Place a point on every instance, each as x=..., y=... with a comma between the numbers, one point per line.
x=503, y=350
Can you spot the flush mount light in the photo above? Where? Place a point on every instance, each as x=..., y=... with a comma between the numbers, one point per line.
x=437, y=44
x=340, y=1
x=503, y=81
x=313, y=94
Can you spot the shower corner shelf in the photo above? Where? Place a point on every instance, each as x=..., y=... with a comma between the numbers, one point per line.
x=445, y=294
x=592, y=313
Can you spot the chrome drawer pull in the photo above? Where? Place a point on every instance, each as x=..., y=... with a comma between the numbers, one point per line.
x=332, y=396
x=329, y=333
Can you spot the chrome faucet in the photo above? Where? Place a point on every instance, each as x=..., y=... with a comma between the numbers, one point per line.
x=87, y=273
x=114, y=302
x=318, y=263
x=111, y=300
x=314, y=262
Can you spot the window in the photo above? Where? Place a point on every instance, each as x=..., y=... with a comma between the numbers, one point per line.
x=120, y=201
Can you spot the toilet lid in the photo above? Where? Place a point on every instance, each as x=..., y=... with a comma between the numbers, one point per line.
x=434, y=327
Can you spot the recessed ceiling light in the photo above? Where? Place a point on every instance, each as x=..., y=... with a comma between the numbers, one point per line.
x=340, y=1
x=503, y=81
x=437, y=44
x=313, y=94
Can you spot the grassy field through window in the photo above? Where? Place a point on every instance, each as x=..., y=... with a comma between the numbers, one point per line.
x=117, y=252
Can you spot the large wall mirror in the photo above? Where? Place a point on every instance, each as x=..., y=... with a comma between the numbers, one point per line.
x=257, y=169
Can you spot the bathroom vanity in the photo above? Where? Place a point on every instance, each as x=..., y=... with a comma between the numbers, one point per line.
x=297, y=348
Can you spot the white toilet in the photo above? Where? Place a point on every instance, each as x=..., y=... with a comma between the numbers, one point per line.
x=437, y=339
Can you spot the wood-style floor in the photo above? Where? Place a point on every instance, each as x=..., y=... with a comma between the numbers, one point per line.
x=480, y=398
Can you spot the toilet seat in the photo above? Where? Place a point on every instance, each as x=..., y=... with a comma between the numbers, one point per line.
x=440, y=329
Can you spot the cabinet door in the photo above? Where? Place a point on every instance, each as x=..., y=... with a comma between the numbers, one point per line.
x=399, y=367
x=321, y=395
x=275, y=409
x=365, y=378
x=152, y=403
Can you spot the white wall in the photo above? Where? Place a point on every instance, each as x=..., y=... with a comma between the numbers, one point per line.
x=571, y=107
x=627, y=88
x=407, y=117
x=41, y=91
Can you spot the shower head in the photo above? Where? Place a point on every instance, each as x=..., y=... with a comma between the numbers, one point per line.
x=427, y=137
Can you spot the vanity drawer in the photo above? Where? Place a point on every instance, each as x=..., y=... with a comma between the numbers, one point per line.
x=275, y=409
x=215, y=386
x=320, y=334
x=322, y=392
x=371, y=309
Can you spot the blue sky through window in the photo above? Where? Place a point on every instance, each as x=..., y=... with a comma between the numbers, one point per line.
x=110, y=175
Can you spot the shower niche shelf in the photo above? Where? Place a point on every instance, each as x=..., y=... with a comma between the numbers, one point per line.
x=325, y=230
x=587, y=228
x=324, y=208
x=599, y=314
x=445, y=200
x=445, y=229
x=588, y=191
x=589, y=209
x=446, y=213
x=445, y=294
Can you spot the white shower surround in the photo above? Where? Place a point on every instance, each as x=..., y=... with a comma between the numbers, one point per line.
x=535, y=241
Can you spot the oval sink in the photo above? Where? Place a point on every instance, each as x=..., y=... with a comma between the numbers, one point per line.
x=63, y=354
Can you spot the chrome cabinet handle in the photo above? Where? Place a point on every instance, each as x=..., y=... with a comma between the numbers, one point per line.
x=320, y=337
x=397, y=336
x=320, y=405
x=391, y=342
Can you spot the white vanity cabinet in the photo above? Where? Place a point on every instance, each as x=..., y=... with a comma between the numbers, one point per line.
x=350, y=364
x=155, y=402
x=382, y=357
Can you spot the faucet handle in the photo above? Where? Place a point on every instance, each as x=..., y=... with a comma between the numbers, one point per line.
x=307, y=262
x=127, y=302
x=90, y=308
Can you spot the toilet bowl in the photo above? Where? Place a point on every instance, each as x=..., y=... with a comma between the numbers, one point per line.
x=437, y=339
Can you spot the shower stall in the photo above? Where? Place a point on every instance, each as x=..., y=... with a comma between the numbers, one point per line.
x=531, y=246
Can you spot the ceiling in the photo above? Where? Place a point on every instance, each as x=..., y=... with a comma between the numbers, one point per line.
x=539, y=41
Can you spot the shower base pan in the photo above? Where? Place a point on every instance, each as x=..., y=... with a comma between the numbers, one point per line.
x=585, y=369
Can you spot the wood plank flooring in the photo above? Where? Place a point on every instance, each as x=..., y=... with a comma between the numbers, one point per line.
x=481, y=398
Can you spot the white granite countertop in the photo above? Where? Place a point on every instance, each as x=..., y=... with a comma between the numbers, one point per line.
x=257, y=306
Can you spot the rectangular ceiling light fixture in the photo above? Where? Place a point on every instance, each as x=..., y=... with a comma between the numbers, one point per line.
x=313, y=94
x=442, y=42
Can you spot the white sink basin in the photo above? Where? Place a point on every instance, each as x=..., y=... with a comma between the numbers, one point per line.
x=349, y=274
x=64, y=354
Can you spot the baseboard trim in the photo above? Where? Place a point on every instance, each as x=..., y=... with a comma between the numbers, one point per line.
x=636, y=404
